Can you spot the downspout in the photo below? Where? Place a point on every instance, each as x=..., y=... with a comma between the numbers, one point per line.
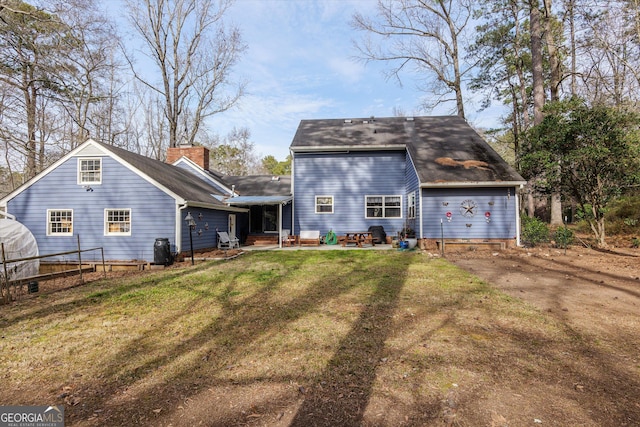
x=419, y=201
x=517, y=197
x=179, y=212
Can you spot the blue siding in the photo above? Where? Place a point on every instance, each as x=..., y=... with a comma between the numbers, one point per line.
x=152, y=211
x=412, y=185
x=348, y=177
x=207, y=223
x=500, y=202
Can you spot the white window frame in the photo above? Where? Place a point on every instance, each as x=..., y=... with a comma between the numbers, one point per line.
x=107, y=231
x=51, y=232
x=411, y=205
x=81, y=173
x=383, y=206
x=324, y=204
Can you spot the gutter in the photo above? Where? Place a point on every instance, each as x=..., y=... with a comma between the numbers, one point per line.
x=333, y=149
x=467, y=184
x=216, y=207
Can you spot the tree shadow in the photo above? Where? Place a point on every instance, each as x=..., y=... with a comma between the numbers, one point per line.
x=240, y=323
x=343, y=390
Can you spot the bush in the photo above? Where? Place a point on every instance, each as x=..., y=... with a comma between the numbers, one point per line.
x=563, y=237
x=534, y=231
x=623, y=216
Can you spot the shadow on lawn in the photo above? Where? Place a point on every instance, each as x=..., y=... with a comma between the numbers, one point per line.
x=346, y=384
x=350, y=373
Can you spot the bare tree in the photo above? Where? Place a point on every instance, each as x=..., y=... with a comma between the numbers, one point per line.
x=194, y=53
x=425, y=34
x=89, y=71
x=610, y=52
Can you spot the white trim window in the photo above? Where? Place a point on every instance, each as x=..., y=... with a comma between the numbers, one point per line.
x=117, y=222
x=89, y=171
x=59, y=222
x=411, y=205
x=324, y=204
x=383, y=206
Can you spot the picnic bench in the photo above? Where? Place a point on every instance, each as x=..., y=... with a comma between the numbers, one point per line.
x=358, y=237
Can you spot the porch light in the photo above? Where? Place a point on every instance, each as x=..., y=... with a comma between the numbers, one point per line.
x=191, y=223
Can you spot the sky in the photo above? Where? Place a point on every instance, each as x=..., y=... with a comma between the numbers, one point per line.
x=300, y=64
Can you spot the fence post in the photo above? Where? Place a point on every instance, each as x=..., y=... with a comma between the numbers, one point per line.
x=4, y=283
x=104, y=268
x=80, y=260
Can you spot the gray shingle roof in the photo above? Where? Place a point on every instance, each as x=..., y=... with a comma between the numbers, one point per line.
x=444, y=149
x=260, y=185
x=178, y=180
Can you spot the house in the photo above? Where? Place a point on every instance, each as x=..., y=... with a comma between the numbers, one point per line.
x=122, y=202
x=266, y=199
x=434, y=175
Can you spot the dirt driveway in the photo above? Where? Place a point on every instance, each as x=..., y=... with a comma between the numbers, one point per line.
x=596, y=296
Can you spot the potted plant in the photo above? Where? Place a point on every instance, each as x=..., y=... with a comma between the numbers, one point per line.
x=408, y=235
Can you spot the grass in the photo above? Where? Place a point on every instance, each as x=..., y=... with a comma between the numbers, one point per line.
x=376, y=331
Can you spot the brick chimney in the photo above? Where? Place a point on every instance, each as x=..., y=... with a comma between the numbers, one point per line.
x=196, y=153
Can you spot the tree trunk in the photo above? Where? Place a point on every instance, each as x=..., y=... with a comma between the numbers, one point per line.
x=554, y=83
x=536, y=59
x=30, y=97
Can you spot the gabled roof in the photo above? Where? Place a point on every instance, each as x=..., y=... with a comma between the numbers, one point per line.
x=445, y=150
x=179, y=181
x=181, y=184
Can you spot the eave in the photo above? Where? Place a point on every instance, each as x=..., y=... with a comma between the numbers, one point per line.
x=333, y=149
x=469, y=184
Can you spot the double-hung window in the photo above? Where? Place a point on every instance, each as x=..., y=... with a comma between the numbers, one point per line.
x=411, y=205
x=59, y=222
x=383, y=206
x=117, y=222
x=324, y=204
x=89, y=171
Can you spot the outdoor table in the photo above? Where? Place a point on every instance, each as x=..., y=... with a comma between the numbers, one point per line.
x=358, y=237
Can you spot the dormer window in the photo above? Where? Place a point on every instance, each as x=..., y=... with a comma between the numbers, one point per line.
x=89, y=171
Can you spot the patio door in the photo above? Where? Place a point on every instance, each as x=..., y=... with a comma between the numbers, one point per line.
x=264, y=219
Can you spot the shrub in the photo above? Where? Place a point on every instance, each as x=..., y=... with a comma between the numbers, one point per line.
x=563, y=237
x=534, y=231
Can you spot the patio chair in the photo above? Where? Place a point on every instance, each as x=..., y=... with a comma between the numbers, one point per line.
x=226, y=242
x=288, y=239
